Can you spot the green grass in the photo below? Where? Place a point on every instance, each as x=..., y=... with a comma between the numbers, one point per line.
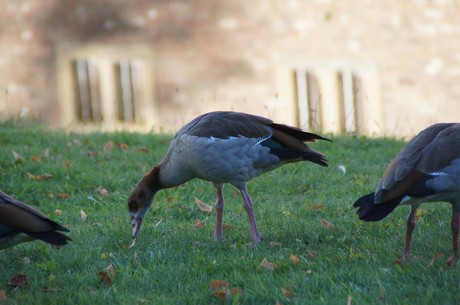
x=175, y=262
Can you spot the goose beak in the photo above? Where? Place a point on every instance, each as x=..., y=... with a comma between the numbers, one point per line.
x=136, y=222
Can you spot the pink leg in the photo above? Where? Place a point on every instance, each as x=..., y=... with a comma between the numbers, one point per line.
x=218, y=235
x=410, y=226
x=252, y=220
x=455, y=224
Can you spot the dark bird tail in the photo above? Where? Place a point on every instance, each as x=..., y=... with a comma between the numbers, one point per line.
x=51, y=237
x=368, y=210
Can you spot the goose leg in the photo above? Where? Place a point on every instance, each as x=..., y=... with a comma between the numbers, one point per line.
x=252, y=220
x=410, y=226
x=218, y=235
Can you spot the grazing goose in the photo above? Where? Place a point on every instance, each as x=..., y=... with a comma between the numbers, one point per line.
x=20, y=222
x=427, y=169
x=223, y=147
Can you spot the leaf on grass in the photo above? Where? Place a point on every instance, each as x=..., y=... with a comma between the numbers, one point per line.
x=294, y=259
x=108, y=146
x=317, y=207
x=143, y=149
x=17, y=157
x=26, y=260
x=83, y=216
x=435, y=257
x=46, y=153
x=41, y=177
x=67, y=165
x=265, y=264
x=102, y=191
x=58, y=212
x=3, y=296
x=227, y=226
x=123, y=146
x=36, y=158
x=105, y=278
x=349, y=300
x=312, y=253
x=137, y=259
x=133, y=243
x=275, y=244
x=19, y=280
x=203, y=206
x=326, y=224
x=63, y=195
x=288, y=293
x=199, y=224
x=219, y=288
x=111, y=271
x=451, y=260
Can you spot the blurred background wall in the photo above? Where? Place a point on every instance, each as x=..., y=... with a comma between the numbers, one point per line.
x=369, y=67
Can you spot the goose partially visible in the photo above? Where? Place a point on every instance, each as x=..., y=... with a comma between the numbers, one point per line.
x=426, y=170
x=20, y=223
x=223, y=147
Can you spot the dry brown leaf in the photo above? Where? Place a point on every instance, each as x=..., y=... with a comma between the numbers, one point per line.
x=326, y=224
x=46, y=153
x=236, y=290
x=435, y=257
x=17, y=157
x=312, y=253
x=63, y=195
x=133, y=243
x=102, y=191
x=58, y=212
x=221, y=294
x=36, y=158
x=451, y=261
x=294, y=259
x=317, y=207
x=275, y=244
x=137, y=259
x=218, y=284
x=83, y=215
x=41, y=177
x=227, y=226
x=203, y=206
x=108, y=146
x=143, y=149
x=105, y=278
x=288, y=293
x=265, y=264
x=349, y=300
x=122, y=145
x=3, y=296
x=19, y=280
x=199, y=224
x=67, y=165
x=111, y=271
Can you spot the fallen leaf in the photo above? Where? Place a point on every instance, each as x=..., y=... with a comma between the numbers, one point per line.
x=51, y=195
x=203, y=206
x=133, y=243
x=349, y=300
x=46, y=289
x=137, y=259
x=294, y=259
x=265, y=264
x=158, y=223
x=83, y=215
x=288, y=293
x=92, y=154
x=317, y=207
x=105, y=278
x=19, y=280
x=17, y=157
x=275, y=244
x=170, y=199
x=312, y=253
x=46, y=153
x=3, y=296
x=58, y=212
x=143, y=149
x=111, y=271
x=451, y=261
x=122, y=145
x=67, y=165
x=108, y=146
x=218, y=284
x=26, y=260
x=227, y=226
x=221, y=294
x=435, y=257
x=41, y=177
x=36, y=158
x=236, y=290
x=326, y=224
x=102, y=191
x=63, y=195
x=199, y=224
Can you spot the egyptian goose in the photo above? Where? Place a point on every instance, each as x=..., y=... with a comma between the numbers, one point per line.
x=427, y=169
x=223, y=147
x=20, y=222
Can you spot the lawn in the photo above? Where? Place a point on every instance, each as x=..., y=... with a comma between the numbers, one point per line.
x=314, y=249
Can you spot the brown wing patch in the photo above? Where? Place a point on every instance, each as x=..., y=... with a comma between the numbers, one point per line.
x=22, y=220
